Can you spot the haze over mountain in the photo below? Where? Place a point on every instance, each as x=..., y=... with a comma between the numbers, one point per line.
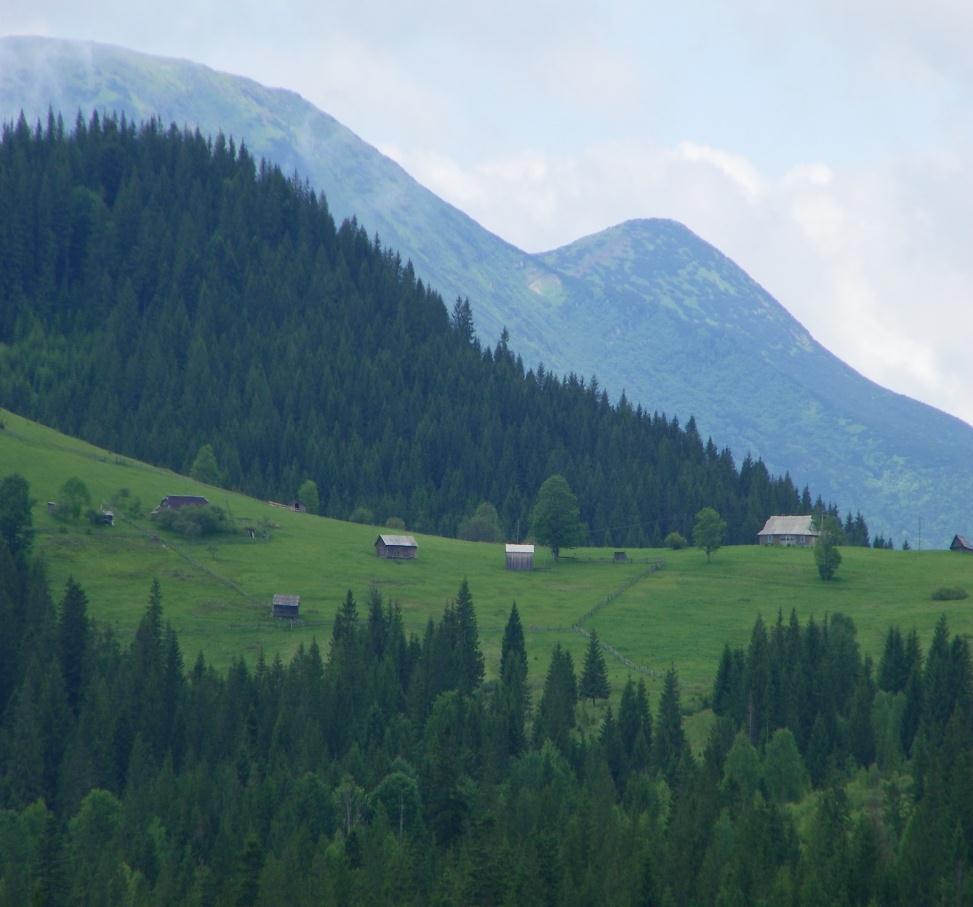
x=646, y=306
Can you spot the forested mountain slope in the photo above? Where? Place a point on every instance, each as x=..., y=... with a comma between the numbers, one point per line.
x=636, y=319
x=161, y=293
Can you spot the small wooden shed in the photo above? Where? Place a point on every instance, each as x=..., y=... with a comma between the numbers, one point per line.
x=396, y=547
x=286, y=607
x=620, y=557
x=961, y=544
x=520, y=557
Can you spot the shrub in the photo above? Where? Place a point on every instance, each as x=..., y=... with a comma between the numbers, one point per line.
x=949, y=594
x=194, y=522
x=74, y=498
x=395, y=522
x=482, y=526
x=362, y=514
x=674, y=540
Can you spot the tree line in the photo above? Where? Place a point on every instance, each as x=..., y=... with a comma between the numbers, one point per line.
x=169, y=297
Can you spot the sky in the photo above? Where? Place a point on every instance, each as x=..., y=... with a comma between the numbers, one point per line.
x=826, y=147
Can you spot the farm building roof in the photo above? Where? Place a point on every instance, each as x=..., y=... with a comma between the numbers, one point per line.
x=182, y=500
x=789, y=525
x=399, y=541
x=287, y=599
x=520, y=549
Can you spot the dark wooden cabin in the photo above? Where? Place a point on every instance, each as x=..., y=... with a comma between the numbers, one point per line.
x=961, y=544
x=396, y=547
x=286, y=607
x=175, y=501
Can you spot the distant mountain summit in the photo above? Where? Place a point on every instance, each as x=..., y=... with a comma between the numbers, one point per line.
x=647, y=306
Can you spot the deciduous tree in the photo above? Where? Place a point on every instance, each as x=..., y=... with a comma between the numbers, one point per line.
x=709, y=530
x=556, y=518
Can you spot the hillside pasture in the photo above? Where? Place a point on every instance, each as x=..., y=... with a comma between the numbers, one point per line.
x=217, y=590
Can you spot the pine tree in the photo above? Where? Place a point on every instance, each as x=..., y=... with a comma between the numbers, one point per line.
x=594, y=676
x=16, y=523
x=669, y=740
x=555, y=714
x=345, y=628
x=470, y=657
x=514, y=692
x=893, y=673
x=72, y=632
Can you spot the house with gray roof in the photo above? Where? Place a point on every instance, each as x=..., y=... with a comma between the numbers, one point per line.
x=396, y=547
x=789, y=531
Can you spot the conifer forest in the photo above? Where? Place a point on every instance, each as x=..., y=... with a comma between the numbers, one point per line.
x=380, y=768
x=163, y=292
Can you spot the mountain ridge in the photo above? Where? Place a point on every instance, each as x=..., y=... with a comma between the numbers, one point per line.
x=678, y=326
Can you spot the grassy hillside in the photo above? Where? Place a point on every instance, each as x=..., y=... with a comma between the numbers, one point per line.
x=217, y=594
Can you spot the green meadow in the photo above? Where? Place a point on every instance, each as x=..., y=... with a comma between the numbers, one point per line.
x=217, y=593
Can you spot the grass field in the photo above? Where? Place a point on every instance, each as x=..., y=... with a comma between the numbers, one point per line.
x=217, y=595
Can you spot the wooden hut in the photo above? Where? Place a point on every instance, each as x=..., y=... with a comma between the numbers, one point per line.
x=520, y=557
x=961, y=544
x=286, y=607
x=620, y=557
x=396, y=547
x=176, y=501
x=789, y=531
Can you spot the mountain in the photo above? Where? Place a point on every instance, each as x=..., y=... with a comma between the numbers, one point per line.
x=163, y=293
x=680, y=318
x=647, y=306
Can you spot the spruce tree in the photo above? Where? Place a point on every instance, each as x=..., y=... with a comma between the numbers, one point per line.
x=514, y=693
x=16, y=523
x=669, y=739
x=470, y=657
x=594, y=676
x=513, y=639
x=555, y=713
x=72, y=633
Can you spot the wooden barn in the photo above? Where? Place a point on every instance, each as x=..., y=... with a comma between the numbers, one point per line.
x=286, y=607
x=789, y=531
x=175, y=501
x=396, y=547
x=520, y=557
x=961, y=544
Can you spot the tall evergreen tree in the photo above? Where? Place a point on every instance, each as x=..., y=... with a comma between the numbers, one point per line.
x=16, y=523
x=72, y=633
x=669, y=739
x=471, y=668
x=594, y=676
x=555, y=713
